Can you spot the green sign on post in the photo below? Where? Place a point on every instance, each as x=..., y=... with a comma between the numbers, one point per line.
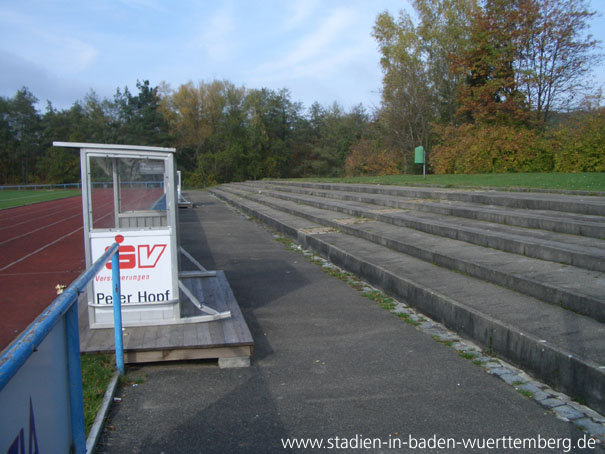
x=419, y=158
x=419, y=155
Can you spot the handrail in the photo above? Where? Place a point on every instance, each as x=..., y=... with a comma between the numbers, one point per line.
x=64, y=305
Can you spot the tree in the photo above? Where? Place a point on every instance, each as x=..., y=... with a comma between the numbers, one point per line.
x=141, y=121
x=526, y=58
x=192, y=112
x=20, y=134
x=491, y=93
x=408, y=103
x=333, y=132
x=444, y=27
x=271, y=119
x=60, y=165
x=419, y=84
x=7, y=143
x=555, y=55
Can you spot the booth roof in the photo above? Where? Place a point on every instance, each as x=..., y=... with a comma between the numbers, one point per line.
x=107, y=146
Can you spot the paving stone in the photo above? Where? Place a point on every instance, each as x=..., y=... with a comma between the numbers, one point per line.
x=426, y=325
x=567, y=412
x=541, y=396
x=483, y=359
x=552, y=402
x=496, y=369
x=593, y=428
x=529, y=387
x=511, y=378
x=434, y=331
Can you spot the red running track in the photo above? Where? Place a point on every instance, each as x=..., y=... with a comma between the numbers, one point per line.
x=41, y=245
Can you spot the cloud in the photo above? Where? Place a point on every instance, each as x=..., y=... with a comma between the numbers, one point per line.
x=71, y=54
x=46, y=45
x=321, y=50
x=18, y=72
x=145, y=5
x=217, y=38
x=298, y=12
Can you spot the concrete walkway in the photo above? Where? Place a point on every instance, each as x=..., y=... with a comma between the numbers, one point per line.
x=328, y=363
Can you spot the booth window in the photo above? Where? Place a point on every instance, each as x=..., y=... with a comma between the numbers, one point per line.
x=127, y=193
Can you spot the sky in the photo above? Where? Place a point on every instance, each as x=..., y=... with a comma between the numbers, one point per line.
x=321, y=50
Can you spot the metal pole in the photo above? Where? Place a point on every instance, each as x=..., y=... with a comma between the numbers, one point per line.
x=117, y=312
x=424, y=164
x=74, y=371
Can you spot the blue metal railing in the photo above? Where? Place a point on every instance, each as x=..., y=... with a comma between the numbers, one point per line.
x=66, y=306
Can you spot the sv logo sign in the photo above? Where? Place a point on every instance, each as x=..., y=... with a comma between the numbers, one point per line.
x=143, y=256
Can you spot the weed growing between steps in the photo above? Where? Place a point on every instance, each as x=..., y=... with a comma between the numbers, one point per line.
x=590, y=421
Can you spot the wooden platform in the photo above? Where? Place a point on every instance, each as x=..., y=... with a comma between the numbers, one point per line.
x=228, y=340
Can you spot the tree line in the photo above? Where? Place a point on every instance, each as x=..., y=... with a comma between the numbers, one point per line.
x=493, y=85
x=483, y=85
x=222, y=132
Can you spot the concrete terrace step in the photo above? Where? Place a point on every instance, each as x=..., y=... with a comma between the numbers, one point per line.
x=573, y=288
x=558, y=346
x=575, y=224
x=581, y=204
x=588, y=253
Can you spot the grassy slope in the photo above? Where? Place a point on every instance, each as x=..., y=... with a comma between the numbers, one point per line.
x=567, y=181
x=12, y=198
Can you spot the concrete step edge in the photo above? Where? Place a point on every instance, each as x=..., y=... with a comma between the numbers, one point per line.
x=587, y=228
x=514, y=200
x=571, y=299
x=552, y=364
x=516, y=244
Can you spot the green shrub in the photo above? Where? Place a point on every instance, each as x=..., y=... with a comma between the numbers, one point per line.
x=580, y=146
x=485, y=148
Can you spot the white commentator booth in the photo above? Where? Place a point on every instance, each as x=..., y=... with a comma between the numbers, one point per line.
x=129, y=195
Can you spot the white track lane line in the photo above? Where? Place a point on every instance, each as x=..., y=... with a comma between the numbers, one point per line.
x=38, y=229
x=6, y=216
x=47, y=245
x=40, y=249
x=54, y=212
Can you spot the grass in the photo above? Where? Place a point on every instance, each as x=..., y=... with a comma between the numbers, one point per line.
x=526, y=393
x=97, y=371
x=466, y=355
x=447, y=342
x=12, y=198
x=383, y=301
x=588, y=181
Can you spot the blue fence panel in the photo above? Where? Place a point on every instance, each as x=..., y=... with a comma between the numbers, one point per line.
x=63, y=310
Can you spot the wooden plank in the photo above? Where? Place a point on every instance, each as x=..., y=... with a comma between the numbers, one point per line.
x=224, y=338
x=133, y=337
x=203, y=334
x=242, y=330
x=176, y=336
x=229, y=331
x=149, y=337
x=217, y=335
x=190, y=336
x=100, y=340
x=161, y=339
x=186, y=354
